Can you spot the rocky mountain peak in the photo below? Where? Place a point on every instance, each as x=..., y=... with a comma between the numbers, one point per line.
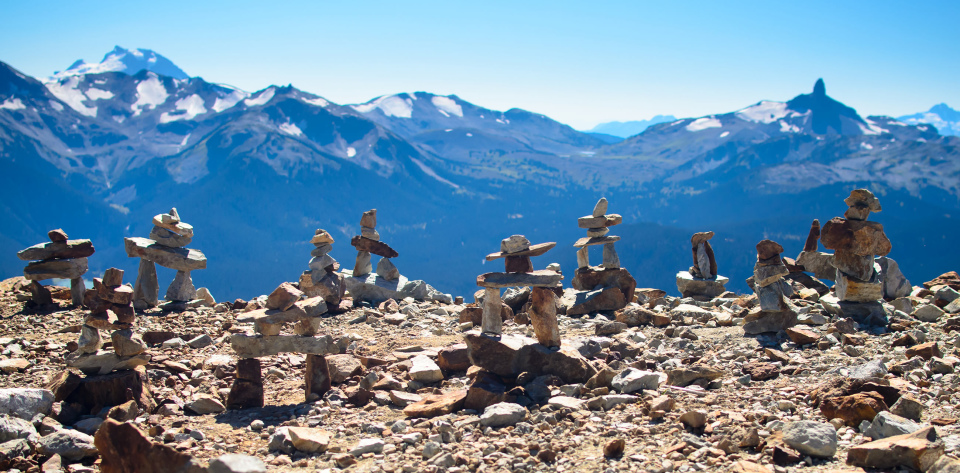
x=127, y=61
x=819, y=89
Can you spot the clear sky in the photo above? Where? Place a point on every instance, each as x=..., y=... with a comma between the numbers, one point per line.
x=578, y=62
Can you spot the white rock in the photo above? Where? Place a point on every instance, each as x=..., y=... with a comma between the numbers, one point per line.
x=367, y=446
x=425, y=370
x=632, y=380
x=886, y=425
x=927, y=313
x=817, y=439
x=502, y=414
x=25, y=403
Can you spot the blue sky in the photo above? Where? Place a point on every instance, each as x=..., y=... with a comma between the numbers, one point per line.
x=579, y=62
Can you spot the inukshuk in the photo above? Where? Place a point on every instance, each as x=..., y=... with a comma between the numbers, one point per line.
x=701, y=281
x=284, y=306
x=111, y=308
x=367, y=243
x=519, y=272
x=859, y=277
x=322, y=278
x=604, y=287
x=775, y=312
x=61, y=258
x=166, y=248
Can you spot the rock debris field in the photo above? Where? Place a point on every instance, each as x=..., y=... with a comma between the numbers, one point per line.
x=373, y=372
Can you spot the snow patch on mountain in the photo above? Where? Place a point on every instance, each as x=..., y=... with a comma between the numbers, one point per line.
x=187, y=108
x=319, y=102
x=291, y=129
x=765, y=112
x=788, y=128
x=447, y=105
x=12, y=103
x=94, y=93
x=229, y=100
x=704, y=123
x=150, y=93
x=69, y=94
x=389, y=105
x=351, y=151
x=946, y=119
x=261, y=99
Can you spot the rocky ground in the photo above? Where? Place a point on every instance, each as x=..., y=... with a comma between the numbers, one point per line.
x=678, y=387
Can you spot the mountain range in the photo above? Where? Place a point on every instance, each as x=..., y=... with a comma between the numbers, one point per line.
x=100, y=148
x=630, y=128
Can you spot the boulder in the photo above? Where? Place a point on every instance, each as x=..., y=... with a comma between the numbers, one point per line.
x=60, y=269
x=690, y=286
x=918, y=450
x=502, y=414
x=180, y=259
x=887, y=424
x=342, y=367
x=57, y=250
x=454, y=358
x=71, y=445
x=817, y=439
x=509, y=355
x=436, y=405
x=425, y=370
x=247, y=346
x=853, y=409
x=761, y=321
x=632, y=380
x=125, y=449
x=25, y=403
x=309, y=440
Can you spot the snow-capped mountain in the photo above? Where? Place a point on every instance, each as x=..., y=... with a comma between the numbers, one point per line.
x=946, y=119
x=630, y=128
x=99, y=154
x=453, y=128
x=127, y=61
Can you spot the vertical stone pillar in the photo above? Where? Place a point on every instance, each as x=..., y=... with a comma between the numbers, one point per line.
x=610, y=258
x=363, y=266
x=181, y=289
x=317, y=376
x=543, y=316
x=76, y=291
x=583, y=258
x=703, y=261
x=247, y=389
x=146, y=290
x=492, y=323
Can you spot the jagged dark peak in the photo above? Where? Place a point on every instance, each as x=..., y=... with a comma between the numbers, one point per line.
x=827, y=113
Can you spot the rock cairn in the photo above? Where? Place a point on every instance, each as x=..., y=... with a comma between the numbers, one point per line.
x=166, y=247
x=604, y=287
x=322, y=278
x=701, y=281
x=775, y=312
x=367, y=243
x=60, y=258
x=859, y=266
x=111, y=308
x=364, y=285
x=517, y=252
x=283, y=306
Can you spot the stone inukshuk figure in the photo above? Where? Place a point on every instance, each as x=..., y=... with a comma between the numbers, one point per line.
x=165, y=247
x=855, y=241
x=859, y=275
x=283, y=306
x=61, y=259
x=607, y=287
x=775, y=312
x=111, y=308
x=367, y=242
x=701, y=281
x=322, y=278
x=519, y=272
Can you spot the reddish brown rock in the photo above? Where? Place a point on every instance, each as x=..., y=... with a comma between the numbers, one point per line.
x=247, y=389
x=485, y=390
x=376, y=247
x=518, y=264
x=283, y=297
x=859, y=237
x=853, y=409
x=436, y=405
x=813, y=237
x=124, y=448
x=767, y=249
x=760, y=371
x=951, y=279
x=924, y=350
x=454, y=358
x=918, y=450
x=317, y=376
x=802, y=336
x=113, y=389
